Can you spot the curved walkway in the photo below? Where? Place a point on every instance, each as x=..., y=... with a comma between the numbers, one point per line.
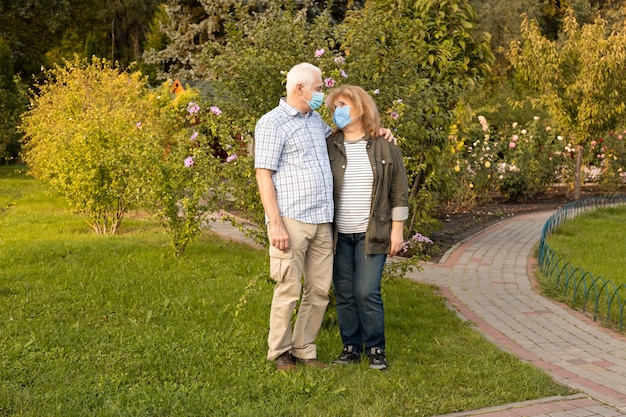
x=488, y=280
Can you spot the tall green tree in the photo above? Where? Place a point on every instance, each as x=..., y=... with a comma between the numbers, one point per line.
x=115, y=30
x=189, y=25
x=420, y=59
x=578, y=79
x=127, y=23
x=428, y=54
x=11, y=105
x=43, y=32
x=502, y=19
x=31, y=28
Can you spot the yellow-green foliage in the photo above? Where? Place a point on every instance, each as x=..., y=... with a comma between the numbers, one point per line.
x=107, y=142
x=92, y=131
x=577, y=79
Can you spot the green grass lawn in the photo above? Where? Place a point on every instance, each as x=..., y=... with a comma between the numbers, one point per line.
x=594, y=246
x=117, y=326
x=595, y=241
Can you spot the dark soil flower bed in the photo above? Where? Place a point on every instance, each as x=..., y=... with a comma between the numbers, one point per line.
x=459, y=226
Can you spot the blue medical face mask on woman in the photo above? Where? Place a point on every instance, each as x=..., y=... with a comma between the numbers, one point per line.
x=316, y=101
x=341, y=117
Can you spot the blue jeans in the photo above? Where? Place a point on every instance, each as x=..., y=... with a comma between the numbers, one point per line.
x=356, y=278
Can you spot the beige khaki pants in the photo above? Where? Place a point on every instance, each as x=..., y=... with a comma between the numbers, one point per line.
x=310, y=255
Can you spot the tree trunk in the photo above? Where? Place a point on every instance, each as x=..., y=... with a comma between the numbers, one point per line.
x=579, y=158
x=412, y=195
x=113, y=40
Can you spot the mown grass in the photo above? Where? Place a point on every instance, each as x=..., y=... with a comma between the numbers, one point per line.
x=117, y=326
x=594, y=241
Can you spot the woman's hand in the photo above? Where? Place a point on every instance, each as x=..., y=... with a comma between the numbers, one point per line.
x=396, y=238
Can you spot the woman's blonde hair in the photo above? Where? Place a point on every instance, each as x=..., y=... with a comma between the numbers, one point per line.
x=363, y=103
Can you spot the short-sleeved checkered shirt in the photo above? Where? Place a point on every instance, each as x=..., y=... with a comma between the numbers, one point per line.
x=293, y=145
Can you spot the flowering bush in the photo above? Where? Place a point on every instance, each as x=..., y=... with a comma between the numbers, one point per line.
x=519, y=162
x=414, y=252
x=415, y=245
x=108, y=152
x=201, y=149
x=432, y=67
x=605, y=161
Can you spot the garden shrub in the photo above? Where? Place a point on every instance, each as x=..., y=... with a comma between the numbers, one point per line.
x=108, y=142
x=205, y=169
x=413, y=65
x=605, y=160
x=516, y=161
x=93, y=133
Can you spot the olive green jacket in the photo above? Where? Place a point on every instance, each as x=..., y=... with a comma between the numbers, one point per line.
x=389, y=199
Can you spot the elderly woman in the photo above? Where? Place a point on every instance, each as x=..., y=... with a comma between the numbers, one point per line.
x=370, y=195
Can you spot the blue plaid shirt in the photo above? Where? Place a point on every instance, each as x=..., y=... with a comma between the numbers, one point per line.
x=293, y=145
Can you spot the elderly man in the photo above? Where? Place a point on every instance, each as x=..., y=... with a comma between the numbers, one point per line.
x=296, y=188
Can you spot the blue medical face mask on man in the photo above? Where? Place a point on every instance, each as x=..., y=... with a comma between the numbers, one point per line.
x=341, y=116
x=316, y=101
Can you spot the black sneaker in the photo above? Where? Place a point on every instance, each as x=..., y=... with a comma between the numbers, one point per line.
x=347, y=357
x=378, y=360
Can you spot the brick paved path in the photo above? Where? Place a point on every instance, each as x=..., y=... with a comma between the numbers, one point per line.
x=488, y=280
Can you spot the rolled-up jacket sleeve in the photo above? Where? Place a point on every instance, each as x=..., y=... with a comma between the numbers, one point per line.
x=399, y=187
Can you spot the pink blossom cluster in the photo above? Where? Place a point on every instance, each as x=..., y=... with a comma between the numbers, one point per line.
x=417, y=238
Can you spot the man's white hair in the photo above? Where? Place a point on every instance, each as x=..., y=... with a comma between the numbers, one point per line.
x=303, y=73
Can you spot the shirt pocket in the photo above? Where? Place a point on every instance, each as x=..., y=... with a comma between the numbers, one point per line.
x=384, y=167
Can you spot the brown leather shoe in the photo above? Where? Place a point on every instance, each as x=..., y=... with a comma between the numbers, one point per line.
x=285, y=362
x=311, y=362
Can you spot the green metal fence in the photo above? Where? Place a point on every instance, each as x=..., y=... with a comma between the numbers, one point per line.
x=582, y=289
